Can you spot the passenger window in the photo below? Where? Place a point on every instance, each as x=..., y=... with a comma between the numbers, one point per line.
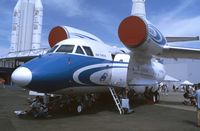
x=66, y=48
x=79, y=50
x=88, y=51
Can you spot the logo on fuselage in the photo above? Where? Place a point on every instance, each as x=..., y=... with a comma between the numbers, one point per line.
x=103, y=77
x=156, y=35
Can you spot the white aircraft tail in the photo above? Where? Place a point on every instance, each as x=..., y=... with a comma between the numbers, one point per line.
x=138, y=8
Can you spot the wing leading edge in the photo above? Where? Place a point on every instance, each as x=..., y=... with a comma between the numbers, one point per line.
x=170, y=51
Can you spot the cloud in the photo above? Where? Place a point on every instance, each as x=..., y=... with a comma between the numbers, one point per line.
x=74, y=8
x=84, y=10
x=181, y=27
x=5, y=27
x=4, y=51
x=70, y=7
x=178, y=10
x=105, y=20
x=178, y=22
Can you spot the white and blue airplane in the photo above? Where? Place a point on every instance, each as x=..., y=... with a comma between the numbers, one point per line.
x=80, y=63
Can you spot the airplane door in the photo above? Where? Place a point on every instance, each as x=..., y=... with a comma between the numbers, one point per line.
x=119, y=70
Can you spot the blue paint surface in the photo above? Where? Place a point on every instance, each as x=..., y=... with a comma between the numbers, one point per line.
x=53, y=72
x=156, y=35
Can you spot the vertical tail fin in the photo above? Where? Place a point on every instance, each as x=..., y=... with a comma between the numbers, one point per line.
x=138, y=8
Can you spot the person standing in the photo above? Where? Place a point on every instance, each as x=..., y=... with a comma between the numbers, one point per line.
x=2, y=82
x=198, y=106
x=198, y=97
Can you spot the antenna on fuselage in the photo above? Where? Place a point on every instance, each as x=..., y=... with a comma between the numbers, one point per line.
x=138, y=8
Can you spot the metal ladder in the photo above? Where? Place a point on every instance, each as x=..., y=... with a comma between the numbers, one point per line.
x=116, y=99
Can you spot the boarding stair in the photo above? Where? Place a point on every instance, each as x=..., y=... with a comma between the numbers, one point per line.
x=117, y=100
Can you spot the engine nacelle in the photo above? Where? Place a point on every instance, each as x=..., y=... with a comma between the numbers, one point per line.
x=60, y=33
x=138, y=34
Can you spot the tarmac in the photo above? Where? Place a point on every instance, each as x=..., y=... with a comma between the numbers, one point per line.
x=169, y=115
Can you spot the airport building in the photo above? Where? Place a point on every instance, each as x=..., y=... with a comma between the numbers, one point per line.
x=183, y=69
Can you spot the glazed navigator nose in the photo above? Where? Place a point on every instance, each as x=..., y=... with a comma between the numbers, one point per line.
x=22, y=76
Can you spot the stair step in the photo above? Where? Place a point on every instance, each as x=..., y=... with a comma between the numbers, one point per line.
x=116, y=99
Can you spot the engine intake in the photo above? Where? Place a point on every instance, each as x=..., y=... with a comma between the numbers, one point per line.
x=139, y=35
x=56, y=35
x=132, y=31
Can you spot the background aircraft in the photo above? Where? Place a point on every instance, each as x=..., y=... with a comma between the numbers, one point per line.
x=80, y=64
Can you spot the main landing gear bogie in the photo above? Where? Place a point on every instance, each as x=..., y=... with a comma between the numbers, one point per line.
x=72, y=104
x=84, y=103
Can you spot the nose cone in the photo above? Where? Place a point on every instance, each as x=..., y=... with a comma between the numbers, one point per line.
x=22, y=76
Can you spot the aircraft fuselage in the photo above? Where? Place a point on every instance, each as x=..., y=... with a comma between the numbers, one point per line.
x=61, y=72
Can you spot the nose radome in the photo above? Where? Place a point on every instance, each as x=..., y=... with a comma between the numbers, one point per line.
x=22, y=76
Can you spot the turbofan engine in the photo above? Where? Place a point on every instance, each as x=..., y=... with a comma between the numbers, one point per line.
x=138, y=34
x=60, y=33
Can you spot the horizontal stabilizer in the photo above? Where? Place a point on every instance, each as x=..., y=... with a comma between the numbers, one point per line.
x=182, y=39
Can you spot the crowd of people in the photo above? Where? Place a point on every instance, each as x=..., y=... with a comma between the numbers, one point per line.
x=190, y=92
x=164, y=89
x=45, y=106
x=37, y=108
x=190, y=95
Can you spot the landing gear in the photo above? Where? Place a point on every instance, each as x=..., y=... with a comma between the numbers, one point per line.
x=79, y=109
x=84, y=103
x=155, y=97
x=72, y=104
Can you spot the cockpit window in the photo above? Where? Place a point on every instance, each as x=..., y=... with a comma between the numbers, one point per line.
x=88, y=51
x=66, y=48
x=79, y=50
x=52, y=49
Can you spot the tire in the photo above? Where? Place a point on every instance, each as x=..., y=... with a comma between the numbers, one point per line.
x=157, y=97
x=154, y=99
x=79, y=109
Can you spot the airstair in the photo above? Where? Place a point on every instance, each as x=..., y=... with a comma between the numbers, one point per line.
x=116, y=99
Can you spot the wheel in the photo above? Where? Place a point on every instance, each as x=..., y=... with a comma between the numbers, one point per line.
x=79, y=109
x=157, y=97
x=154, y=98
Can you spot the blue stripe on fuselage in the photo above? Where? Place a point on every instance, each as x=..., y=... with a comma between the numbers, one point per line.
x=53, y=72
x=84, y=77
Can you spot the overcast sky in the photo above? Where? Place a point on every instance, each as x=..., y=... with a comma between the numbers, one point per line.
x=102, y=17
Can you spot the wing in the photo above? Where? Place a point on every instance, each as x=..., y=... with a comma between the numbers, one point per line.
x=182, y=39
x=170, y=51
